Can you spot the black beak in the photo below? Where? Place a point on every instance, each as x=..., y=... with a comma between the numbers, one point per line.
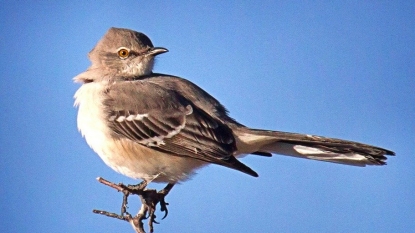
x=157, y=50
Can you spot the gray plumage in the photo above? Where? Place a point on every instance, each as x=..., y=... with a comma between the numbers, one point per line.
x=162, y=128
x=169, y=122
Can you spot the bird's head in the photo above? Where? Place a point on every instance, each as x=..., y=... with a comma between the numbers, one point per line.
x=125, y=52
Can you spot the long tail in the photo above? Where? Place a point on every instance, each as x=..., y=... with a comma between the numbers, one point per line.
x=265, y=142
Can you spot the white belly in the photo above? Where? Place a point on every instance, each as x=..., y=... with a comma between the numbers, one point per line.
x=123, y=155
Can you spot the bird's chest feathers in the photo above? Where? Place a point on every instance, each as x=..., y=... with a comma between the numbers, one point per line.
x=123, y=155
x=92, y=123
x=91, y=117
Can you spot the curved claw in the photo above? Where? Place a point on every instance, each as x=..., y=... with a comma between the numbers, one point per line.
x=153, y=219
x=149, y=199
x=163, y=208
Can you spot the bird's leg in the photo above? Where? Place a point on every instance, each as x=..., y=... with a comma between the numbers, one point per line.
x=163, y=193
x=150, y=198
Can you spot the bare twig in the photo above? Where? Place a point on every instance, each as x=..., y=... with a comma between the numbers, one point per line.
x=149, y=199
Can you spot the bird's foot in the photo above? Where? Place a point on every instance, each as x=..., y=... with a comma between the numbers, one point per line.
x=149, y=199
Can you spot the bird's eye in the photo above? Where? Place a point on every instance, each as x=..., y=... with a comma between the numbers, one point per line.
x=123, y=53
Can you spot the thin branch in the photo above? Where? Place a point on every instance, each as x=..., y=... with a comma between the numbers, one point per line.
x=149, y=199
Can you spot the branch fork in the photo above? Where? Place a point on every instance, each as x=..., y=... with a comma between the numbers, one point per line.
x=149, y=199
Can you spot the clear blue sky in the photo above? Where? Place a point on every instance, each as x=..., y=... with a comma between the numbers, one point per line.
x=343, y=69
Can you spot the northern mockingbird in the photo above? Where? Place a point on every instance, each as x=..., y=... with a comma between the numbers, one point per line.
x=161, y=128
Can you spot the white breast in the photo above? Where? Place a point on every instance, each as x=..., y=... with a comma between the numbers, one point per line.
x=125, y=156
x=91, y=117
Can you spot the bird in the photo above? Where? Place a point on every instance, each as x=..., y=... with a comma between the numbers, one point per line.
x=163, y=128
